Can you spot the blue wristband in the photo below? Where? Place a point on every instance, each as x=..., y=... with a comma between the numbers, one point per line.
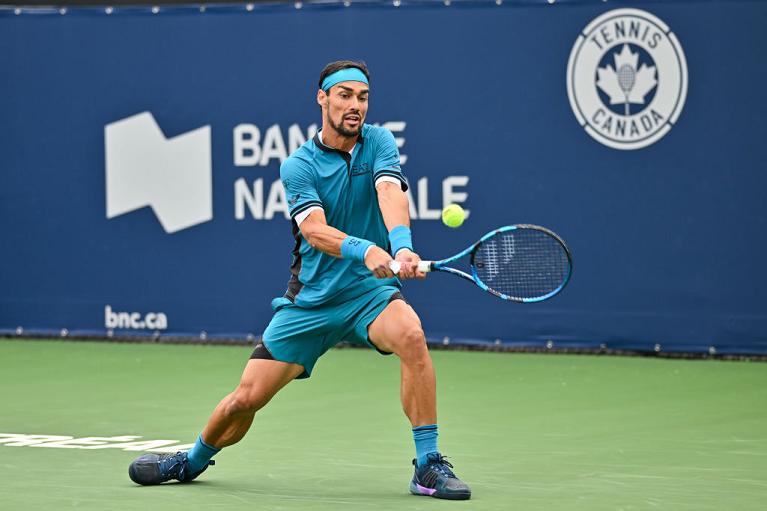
x=355, y=248
x=399, y=238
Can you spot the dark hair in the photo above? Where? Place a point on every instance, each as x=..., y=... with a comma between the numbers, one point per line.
x=342, y=64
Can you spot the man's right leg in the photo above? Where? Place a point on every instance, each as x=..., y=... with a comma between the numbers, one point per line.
x=260, y=381
x=231, y=419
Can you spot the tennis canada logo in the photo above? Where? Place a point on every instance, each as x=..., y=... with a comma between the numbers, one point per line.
x=627, y=79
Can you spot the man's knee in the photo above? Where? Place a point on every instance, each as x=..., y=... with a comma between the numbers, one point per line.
x=247, y=399
x=411, y=343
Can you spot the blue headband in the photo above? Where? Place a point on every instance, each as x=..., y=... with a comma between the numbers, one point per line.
x=349, y=74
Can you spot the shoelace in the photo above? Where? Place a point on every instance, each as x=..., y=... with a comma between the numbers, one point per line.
x=173, y=465
x=440, y=464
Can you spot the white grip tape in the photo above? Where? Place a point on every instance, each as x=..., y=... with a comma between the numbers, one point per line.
x=423, y=266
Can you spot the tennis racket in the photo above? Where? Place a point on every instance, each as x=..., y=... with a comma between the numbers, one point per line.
x=521, y=263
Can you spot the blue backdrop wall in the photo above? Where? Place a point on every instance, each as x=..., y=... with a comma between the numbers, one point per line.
x=140, y=152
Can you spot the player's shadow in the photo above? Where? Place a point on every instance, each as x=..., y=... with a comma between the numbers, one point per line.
x=330, y=494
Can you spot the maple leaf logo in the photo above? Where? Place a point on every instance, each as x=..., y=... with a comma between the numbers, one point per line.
x=625, y=83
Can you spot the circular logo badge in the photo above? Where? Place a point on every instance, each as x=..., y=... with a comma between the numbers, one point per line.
x=627, y=79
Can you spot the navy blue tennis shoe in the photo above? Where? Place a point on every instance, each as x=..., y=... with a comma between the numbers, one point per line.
x=435, y=479
x=152, y=469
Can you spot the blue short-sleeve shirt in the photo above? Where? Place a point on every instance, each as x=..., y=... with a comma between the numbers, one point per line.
x=343, y=185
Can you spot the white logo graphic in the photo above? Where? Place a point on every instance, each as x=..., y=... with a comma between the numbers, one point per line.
x=135, y=320
x=627, y=79
x=173, y=176
x=122, y=442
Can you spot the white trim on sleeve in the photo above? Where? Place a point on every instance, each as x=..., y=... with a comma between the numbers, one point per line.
x=302, y=215
x=388, y=179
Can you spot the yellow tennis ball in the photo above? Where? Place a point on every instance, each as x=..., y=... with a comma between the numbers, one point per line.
x=453, y=215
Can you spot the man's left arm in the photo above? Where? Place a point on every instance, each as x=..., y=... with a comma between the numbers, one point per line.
x=394, y=205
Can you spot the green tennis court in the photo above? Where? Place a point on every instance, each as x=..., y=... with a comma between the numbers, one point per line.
x=526, y=431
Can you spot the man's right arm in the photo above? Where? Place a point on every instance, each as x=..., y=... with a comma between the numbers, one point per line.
x=306, y=209
x=316, y=231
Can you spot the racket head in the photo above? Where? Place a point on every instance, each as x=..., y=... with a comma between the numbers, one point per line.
x=523, y=263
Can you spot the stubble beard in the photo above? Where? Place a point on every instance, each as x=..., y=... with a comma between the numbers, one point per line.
x=345, y=132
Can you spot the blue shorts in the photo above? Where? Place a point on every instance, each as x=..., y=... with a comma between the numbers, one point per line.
x=301, y=336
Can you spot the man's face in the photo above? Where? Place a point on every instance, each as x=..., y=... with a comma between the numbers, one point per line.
x=346, y=105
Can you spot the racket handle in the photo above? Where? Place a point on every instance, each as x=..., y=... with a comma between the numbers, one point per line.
x=423, y=266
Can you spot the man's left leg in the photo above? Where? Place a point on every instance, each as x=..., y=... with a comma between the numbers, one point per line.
x=398, y=330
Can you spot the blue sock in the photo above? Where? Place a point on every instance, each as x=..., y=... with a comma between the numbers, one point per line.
x=425, y=442
x=200, y=455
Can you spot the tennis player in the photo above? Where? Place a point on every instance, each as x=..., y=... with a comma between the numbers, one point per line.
x=349, y=210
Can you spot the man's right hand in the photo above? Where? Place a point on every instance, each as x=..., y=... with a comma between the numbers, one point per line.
x=377, y=261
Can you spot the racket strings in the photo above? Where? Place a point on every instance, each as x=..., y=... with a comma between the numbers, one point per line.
x=522, y=263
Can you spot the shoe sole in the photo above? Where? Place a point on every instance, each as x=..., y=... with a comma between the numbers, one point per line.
x=417, y=489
